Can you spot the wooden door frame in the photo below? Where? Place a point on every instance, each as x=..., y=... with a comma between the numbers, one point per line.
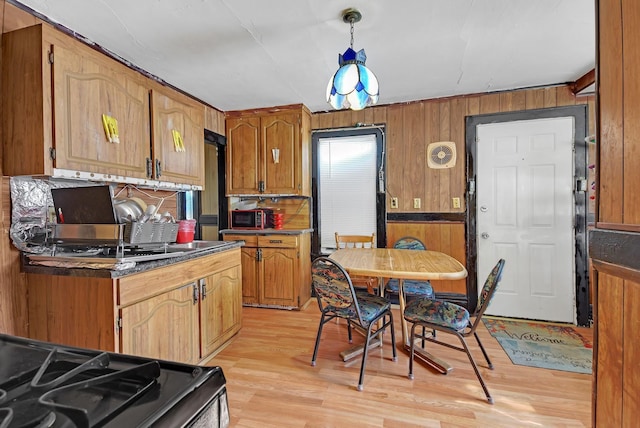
x=580, y=115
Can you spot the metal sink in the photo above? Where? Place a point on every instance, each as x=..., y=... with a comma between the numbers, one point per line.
x=195, y=246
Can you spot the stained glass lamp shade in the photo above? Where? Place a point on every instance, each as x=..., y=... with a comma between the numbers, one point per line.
x=353, y=86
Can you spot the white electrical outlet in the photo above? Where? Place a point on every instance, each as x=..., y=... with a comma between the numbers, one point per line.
x=416, y=202
x=456, y=202
x=394, y=202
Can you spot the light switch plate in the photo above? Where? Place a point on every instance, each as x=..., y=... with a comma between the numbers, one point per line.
x=416, y=202
x=456, y=202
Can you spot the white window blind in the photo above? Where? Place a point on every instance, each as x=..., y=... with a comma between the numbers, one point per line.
x=346, y=187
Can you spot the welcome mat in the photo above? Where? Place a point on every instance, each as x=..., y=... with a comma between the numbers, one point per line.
x=548, y=346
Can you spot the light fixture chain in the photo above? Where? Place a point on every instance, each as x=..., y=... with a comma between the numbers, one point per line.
x=351, y=33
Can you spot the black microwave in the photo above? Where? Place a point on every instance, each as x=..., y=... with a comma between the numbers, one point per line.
x=259, y=218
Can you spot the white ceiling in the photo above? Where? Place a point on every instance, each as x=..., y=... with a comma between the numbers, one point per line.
x=240, y=54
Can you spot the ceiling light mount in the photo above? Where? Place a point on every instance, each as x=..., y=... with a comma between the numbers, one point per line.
x=351, y=16
x=353, y=86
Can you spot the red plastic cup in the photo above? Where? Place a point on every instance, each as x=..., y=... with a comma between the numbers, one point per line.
x=186, y=231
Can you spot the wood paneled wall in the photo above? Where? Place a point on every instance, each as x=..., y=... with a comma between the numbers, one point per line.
x=616, y=398
x=214, y=120
x=412, y=126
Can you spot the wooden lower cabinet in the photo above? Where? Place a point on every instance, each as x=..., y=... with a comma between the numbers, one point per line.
x=164, y=327
x=276, y=269
x=182, y=312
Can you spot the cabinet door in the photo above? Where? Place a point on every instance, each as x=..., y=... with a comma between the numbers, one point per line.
x=220, y=308
x=86, y=86
x=243, y=156
x=281, y=154
x=279, y=273
x=177, y=159
x=250, y=277
x=164, y=327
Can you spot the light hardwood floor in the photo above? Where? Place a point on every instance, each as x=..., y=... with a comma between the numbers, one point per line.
x=271, y=383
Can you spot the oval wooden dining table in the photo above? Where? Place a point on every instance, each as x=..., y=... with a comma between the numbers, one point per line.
x=401, y=264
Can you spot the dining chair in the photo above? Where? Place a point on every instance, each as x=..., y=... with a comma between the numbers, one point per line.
x=411, y=288
x=447, y=317
x=337, y=298
x=359, y=241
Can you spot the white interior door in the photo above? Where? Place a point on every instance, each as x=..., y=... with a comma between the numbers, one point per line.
x=525, y=212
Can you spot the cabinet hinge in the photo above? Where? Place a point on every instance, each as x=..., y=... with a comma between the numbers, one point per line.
x=50, y=57
x=118, y=324
x=149, y=167
x=195, y=293
x=52, y=153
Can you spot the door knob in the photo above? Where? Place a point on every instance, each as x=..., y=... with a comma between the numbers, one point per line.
x=483, y=209
x=484, y=235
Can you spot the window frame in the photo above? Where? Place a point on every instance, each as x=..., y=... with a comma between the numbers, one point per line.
x=381, y=215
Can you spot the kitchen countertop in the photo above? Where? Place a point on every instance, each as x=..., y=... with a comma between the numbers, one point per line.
x=266, y=231
x=113, y=273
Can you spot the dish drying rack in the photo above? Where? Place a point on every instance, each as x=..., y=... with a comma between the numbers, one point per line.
x=120, y=236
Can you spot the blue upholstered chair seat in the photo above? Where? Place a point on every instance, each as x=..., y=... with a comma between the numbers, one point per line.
x=411, y=287
x=370, y=307
x=438, y=312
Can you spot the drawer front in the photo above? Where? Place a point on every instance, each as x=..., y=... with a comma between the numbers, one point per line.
x=277, y=241
x=249, y=240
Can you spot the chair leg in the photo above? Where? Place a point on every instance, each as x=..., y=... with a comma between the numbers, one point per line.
x=486, y=356
x=393, y=337
x=475, y=368
x=315, y=349
x=364, y=358
x=412, y=352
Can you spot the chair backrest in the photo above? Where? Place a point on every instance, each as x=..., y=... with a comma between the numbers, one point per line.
x=488, y=290
x=332, y=285
x=409, y=243
x=355, y=241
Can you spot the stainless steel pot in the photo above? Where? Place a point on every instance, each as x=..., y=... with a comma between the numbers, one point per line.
x=127, y=210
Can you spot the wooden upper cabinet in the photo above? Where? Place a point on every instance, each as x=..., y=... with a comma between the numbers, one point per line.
x=243, y=155
x=87, y=86
x=178, y=137
x=55, y=93
x=268, y=151
x=59, y=95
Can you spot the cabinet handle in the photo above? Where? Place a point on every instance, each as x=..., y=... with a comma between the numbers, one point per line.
x=158, y=168
x=203, y=288
x=259, y=255
x=261, y=186
x=149, y=167
x=275, y=241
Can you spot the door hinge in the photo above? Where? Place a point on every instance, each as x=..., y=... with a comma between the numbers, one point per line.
x=118, y=324
x=50, y=57
x=52, y=153
x=149, y=167
x=195, y=293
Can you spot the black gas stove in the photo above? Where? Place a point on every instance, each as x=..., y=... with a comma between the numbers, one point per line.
x=47, y=385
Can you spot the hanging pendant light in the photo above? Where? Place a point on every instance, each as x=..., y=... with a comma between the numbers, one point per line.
x=353, y=86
